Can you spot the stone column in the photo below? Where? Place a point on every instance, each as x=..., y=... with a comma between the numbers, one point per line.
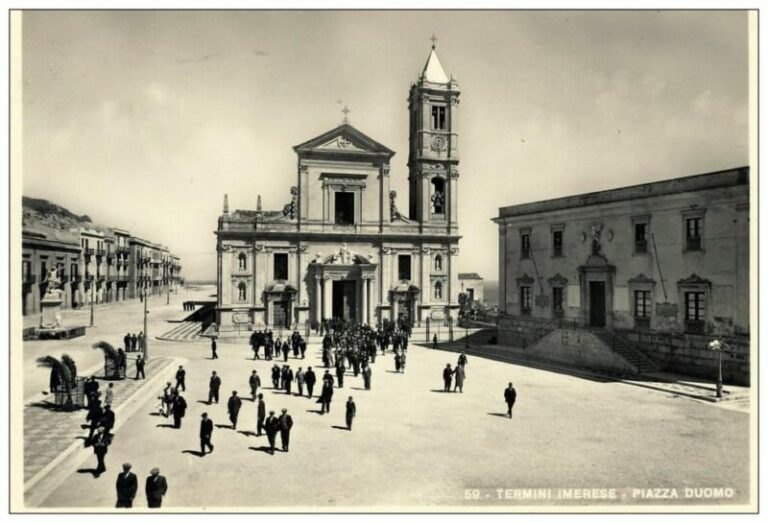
x=393, y=313
x=318, y=299
x=364, y=299
x=327, y=293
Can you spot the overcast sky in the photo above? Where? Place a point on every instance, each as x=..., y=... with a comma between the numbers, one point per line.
x=143, y=120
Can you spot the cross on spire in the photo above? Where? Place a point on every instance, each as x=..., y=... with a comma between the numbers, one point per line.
x=434, y=40
x=346, y=111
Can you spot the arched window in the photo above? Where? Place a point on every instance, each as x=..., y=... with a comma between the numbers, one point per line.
x=438, y=263
x=439, y=290
x=241, y=261
x=438, y=195
x=241, y=291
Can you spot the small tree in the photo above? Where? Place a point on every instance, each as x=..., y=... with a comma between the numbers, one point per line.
x=111, y=359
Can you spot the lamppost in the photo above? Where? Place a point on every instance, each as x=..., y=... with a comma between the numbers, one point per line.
x=719, y=346
x=146, y=334
x=91, y=285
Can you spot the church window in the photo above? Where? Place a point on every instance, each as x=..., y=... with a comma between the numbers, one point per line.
x=241, y=291
x=344, y=209
x=438, y=263
x=241, y=261
x=525, y=245
x=404, y=267
x=438, y=117
x=438, y=290
x=438, y=196
x=281, y=266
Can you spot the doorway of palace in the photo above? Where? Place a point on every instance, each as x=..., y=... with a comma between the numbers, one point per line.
x=404, y=306
x=281, y=314
x=597, y=304
x=344, y=302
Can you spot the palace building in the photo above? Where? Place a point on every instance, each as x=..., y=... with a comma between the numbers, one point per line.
x=341, y=248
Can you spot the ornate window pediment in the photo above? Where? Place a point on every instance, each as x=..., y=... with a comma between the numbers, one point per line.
x=525, y=280
x=694, y=279
x=641, y=278
x=557, y=279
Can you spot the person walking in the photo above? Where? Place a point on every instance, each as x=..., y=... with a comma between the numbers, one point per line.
x=95, y=413
x=141, y=341
x=326, y=395
x=434, y=341
x=155, y=488
x=107, y=421
x=510, y=396
x=140, y=367
x=447, y=378
x=255, y=382
x=462, y=360
x=310, y=379
x=126, y=486
x=100, y=444
x=458, y=378
x=261, y=414
x=206, y=431
x=214, y=356
x=213, y=388
x=179, y=409
x=233, y=408
x=271, y=426
x=181, y=376
x=367, y=377
x=340, y=369
x=287, y=379
x=275, y=376
x=351, y=412
x=109, y=394
x=300, y=381
x=286, y=424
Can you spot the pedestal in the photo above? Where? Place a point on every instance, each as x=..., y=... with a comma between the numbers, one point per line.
x=50, y=307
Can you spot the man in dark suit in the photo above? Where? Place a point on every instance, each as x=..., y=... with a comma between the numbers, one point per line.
x=447, y=378
x=213, y=388
x=100, y=443
x=351, y=412
x=214, y=356
x=367, y=377
x=134, y=342
x=340, y=370
x=107, y=419
x=181, y=376
x=127, y=484
x=140, y=367
x=261, y=414
x=287, y=379
x=179, y=410
x=127, y=342
x=233, y=408
x=309, y=379
x=206, y=431
x=271, y=426
x=286, y=424
x=155, y=489
x=510, y=396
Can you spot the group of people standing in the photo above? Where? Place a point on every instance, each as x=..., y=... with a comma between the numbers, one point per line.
x=294, y=343
x=134, y=342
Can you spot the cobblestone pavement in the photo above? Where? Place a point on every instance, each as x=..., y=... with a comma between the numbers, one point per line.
x=48, y=432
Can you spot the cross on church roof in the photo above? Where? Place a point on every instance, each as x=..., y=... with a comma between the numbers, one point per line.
x=434, y=40
x=346, y=111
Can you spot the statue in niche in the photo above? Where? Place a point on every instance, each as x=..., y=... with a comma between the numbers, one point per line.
x=290, y=208
x=595, y=230
x=438, y=202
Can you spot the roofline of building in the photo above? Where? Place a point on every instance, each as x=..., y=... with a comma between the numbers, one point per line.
x=334, y=236
x=697, y=182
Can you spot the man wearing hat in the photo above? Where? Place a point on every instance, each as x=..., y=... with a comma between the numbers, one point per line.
x=206, y=431
x=286, y=424
x=126, y=486
x=271, y=426
x=155, y=488
x=100, y=445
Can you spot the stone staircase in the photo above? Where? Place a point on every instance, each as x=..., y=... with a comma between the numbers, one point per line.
x=623, y=348
x=183, y=331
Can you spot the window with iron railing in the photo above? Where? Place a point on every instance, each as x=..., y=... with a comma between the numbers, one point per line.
x=525, y=245
x=557, y=302
x=695, y=312
x=642, y=309
x=557, y=243
x=641, y=238
x=693, y=234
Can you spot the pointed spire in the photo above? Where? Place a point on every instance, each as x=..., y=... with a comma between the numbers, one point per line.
x=226, y=204
x=433, y=70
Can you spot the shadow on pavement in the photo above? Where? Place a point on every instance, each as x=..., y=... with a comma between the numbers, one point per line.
x=222, y=426
x=264, y=449
x=499, y=414
x=165, y=425
x=88, y=471
x=316, y=411
x=246, y=432
x=339, y=427
x=441, y=391
x=193, y=452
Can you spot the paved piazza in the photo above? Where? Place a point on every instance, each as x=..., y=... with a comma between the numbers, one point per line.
x=411, y=444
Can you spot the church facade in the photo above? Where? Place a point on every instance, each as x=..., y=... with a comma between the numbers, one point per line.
x=341, y=248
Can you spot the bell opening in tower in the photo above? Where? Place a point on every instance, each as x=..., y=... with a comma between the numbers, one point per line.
x=344, y=208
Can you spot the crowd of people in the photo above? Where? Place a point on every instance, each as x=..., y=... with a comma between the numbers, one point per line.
x=134, y=342
x=346, y=347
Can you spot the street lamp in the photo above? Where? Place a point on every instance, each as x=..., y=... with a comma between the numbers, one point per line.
x=719, y=346
x=91, y=285
x=146, y=334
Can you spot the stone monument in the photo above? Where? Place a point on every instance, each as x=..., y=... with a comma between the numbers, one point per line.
x=51, y=303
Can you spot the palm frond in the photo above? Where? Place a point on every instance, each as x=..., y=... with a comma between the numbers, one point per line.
x=109, y=351
x=48, y=362
x=69, y=363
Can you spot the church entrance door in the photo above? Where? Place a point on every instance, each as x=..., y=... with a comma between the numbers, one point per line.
x=280, y=314
x=404, y=304
x=344, y=300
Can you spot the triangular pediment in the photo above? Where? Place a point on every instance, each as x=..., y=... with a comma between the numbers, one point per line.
x=344, y=139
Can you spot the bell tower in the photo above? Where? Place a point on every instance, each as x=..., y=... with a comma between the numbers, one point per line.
x=433, y=159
